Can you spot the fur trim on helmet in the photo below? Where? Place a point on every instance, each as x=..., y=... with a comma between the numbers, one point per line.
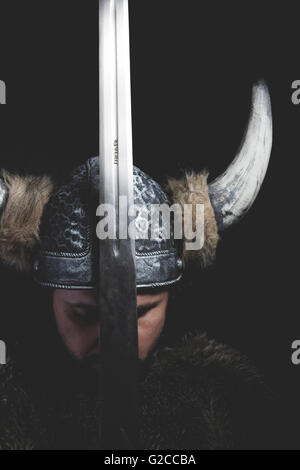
x=193, y=189
x=20, y=220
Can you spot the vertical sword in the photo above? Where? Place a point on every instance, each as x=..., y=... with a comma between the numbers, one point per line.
x=117, y=295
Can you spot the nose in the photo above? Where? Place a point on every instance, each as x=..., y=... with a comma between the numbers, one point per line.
x=95, y=341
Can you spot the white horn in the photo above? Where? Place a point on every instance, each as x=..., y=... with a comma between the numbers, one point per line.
x=233, y=193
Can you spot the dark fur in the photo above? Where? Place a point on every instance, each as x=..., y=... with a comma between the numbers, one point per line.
x=200, y=395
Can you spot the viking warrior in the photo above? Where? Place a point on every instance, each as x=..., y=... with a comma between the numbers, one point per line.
x=105, y=307
x=194, y=392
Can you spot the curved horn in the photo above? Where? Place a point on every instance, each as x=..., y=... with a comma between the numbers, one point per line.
x=233, y=193
x=3, y=196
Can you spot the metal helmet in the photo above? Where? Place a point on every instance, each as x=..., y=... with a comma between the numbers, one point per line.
x=68, y=254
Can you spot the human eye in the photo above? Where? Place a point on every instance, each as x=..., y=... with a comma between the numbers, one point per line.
x=84, y=316
x=142, y=311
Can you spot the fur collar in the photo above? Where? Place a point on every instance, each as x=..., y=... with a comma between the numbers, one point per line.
x=198, y=395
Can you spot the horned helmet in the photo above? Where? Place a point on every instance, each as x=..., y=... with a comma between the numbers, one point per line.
x=52, y=231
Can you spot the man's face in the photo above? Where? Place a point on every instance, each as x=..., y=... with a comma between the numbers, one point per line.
x=77, y=317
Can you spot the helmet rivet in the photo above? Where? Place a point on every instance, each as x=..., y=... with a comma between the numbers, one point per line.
x=180, y=264
x=36, y=265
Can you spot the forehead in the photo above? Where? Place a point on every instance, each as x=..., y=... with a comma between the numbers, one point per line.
x=90, y=297
x=73, y=297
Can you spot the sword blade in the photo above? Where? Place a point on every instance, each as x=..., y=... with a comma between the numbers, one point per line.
x=118, y=309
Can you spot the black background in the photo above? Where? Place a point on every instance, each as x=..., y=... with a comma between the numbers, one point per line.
x=193, y=66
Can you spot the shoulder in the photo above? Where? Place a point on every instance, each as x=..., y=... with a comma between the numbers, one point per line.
x=18, y=421
x=216, y=397
x=200, y=351
x=201, y=360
